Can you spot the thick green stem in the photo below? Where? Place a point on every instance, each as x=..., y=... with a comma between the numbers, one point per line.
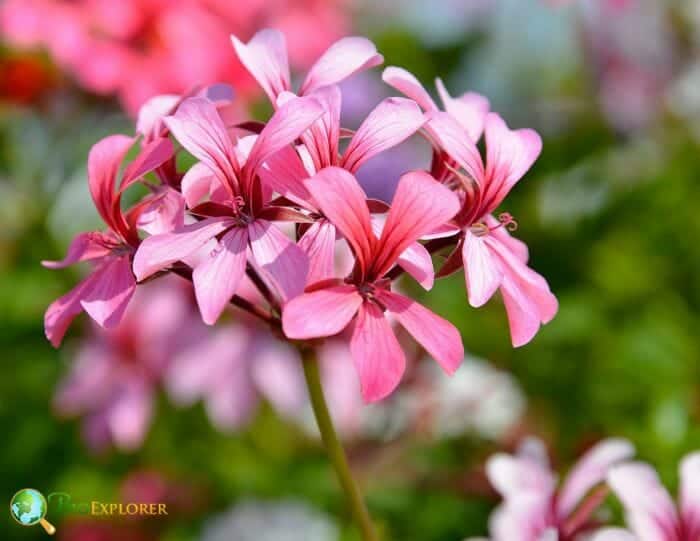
x=334, y=448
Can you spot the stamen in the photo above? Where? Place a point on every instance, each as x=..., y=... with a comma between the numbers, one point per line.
x=507, y=221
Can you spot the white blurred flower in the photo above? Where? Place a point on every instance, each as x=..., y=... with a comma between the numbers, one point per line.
x=253, y=520
x=478, y=398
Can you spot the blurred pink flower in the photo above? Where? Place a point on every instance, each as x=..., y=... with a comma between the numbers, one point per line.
x=327, y=308
x=651, y=513
x=533, y=508
x=105, y=293
x=136, y=49
x=232, y=369
x=115, y=373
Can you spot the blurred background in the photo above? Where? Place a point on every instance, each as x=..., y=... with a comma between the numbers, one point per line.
x=609, y=212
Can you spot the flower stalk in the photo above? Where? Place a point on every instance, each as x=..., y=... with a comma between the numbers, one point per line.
x=334, y=448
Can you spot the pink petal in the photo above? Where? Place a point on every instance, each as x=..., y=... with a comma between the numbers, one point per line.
x=469, y=110
x=265, y=57
x=393, y=121
x=149, y=121
x=509, y=154
x=321, y=140
x=437, y=335
x=528, y=300
x=288, y=122
x=514, y=477
x=130, y=416
x=152, y=156
x=482, y=270
x=284, y=266
x=416, y=261
x=344, y=58
x=378, y=357
x=452, y=138
x=651, y=513
x=63, y=310
x=217, y=278
x=114, y=285
x=164, y=212
x=590, y=471
x=420, y=205
x=84, y=247
x=159, y=251
x=690, y=494
x=104, y=161
x=197, y=184
x=198, y=127
x=285, y=173
x=324, y=312
x=407, y=84
x=318, y=242
x=343, y=202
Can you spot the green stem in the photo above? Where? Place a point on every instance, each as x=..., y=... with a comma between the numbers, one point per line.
x=333, y=446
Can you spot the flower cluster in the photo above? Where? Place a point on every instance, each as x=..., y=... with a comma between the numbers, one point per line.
x=269, y=206
x=136, y=49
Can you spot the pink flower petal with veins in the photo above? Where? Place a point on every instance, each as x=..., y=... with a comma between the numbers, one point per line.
x=470, y=110
x=324, y=312
x=393, y=121
x=284, y=266
x=318, y=242
x=159, y=251
x=482, y=270
x=406, y=83
x=437, y=335
x=83, y=247
x=344, y=203
x=342, y=59
x=420, y=205
x=217, y=278
x=265, y=57
x=112, y=289
x=378, y=357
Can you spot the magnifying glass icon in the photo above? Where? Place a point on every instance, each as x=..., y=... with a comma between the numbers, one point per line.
x=29, y=507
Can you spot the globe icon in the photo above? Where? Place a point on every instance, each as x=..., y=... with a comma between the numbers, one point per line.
x=28, y=507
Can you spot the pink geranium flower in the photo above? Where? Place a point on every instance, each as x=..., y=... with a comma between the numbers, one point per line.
x=533, y=508
x=105, y=293
x=327, y=308
x=651, y=513
x=239, y=211
x=492, y=259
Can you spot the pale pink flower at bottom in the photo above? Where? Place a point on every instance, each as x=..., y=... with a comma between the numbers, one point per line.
x=533, y=508
x=652, y=514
